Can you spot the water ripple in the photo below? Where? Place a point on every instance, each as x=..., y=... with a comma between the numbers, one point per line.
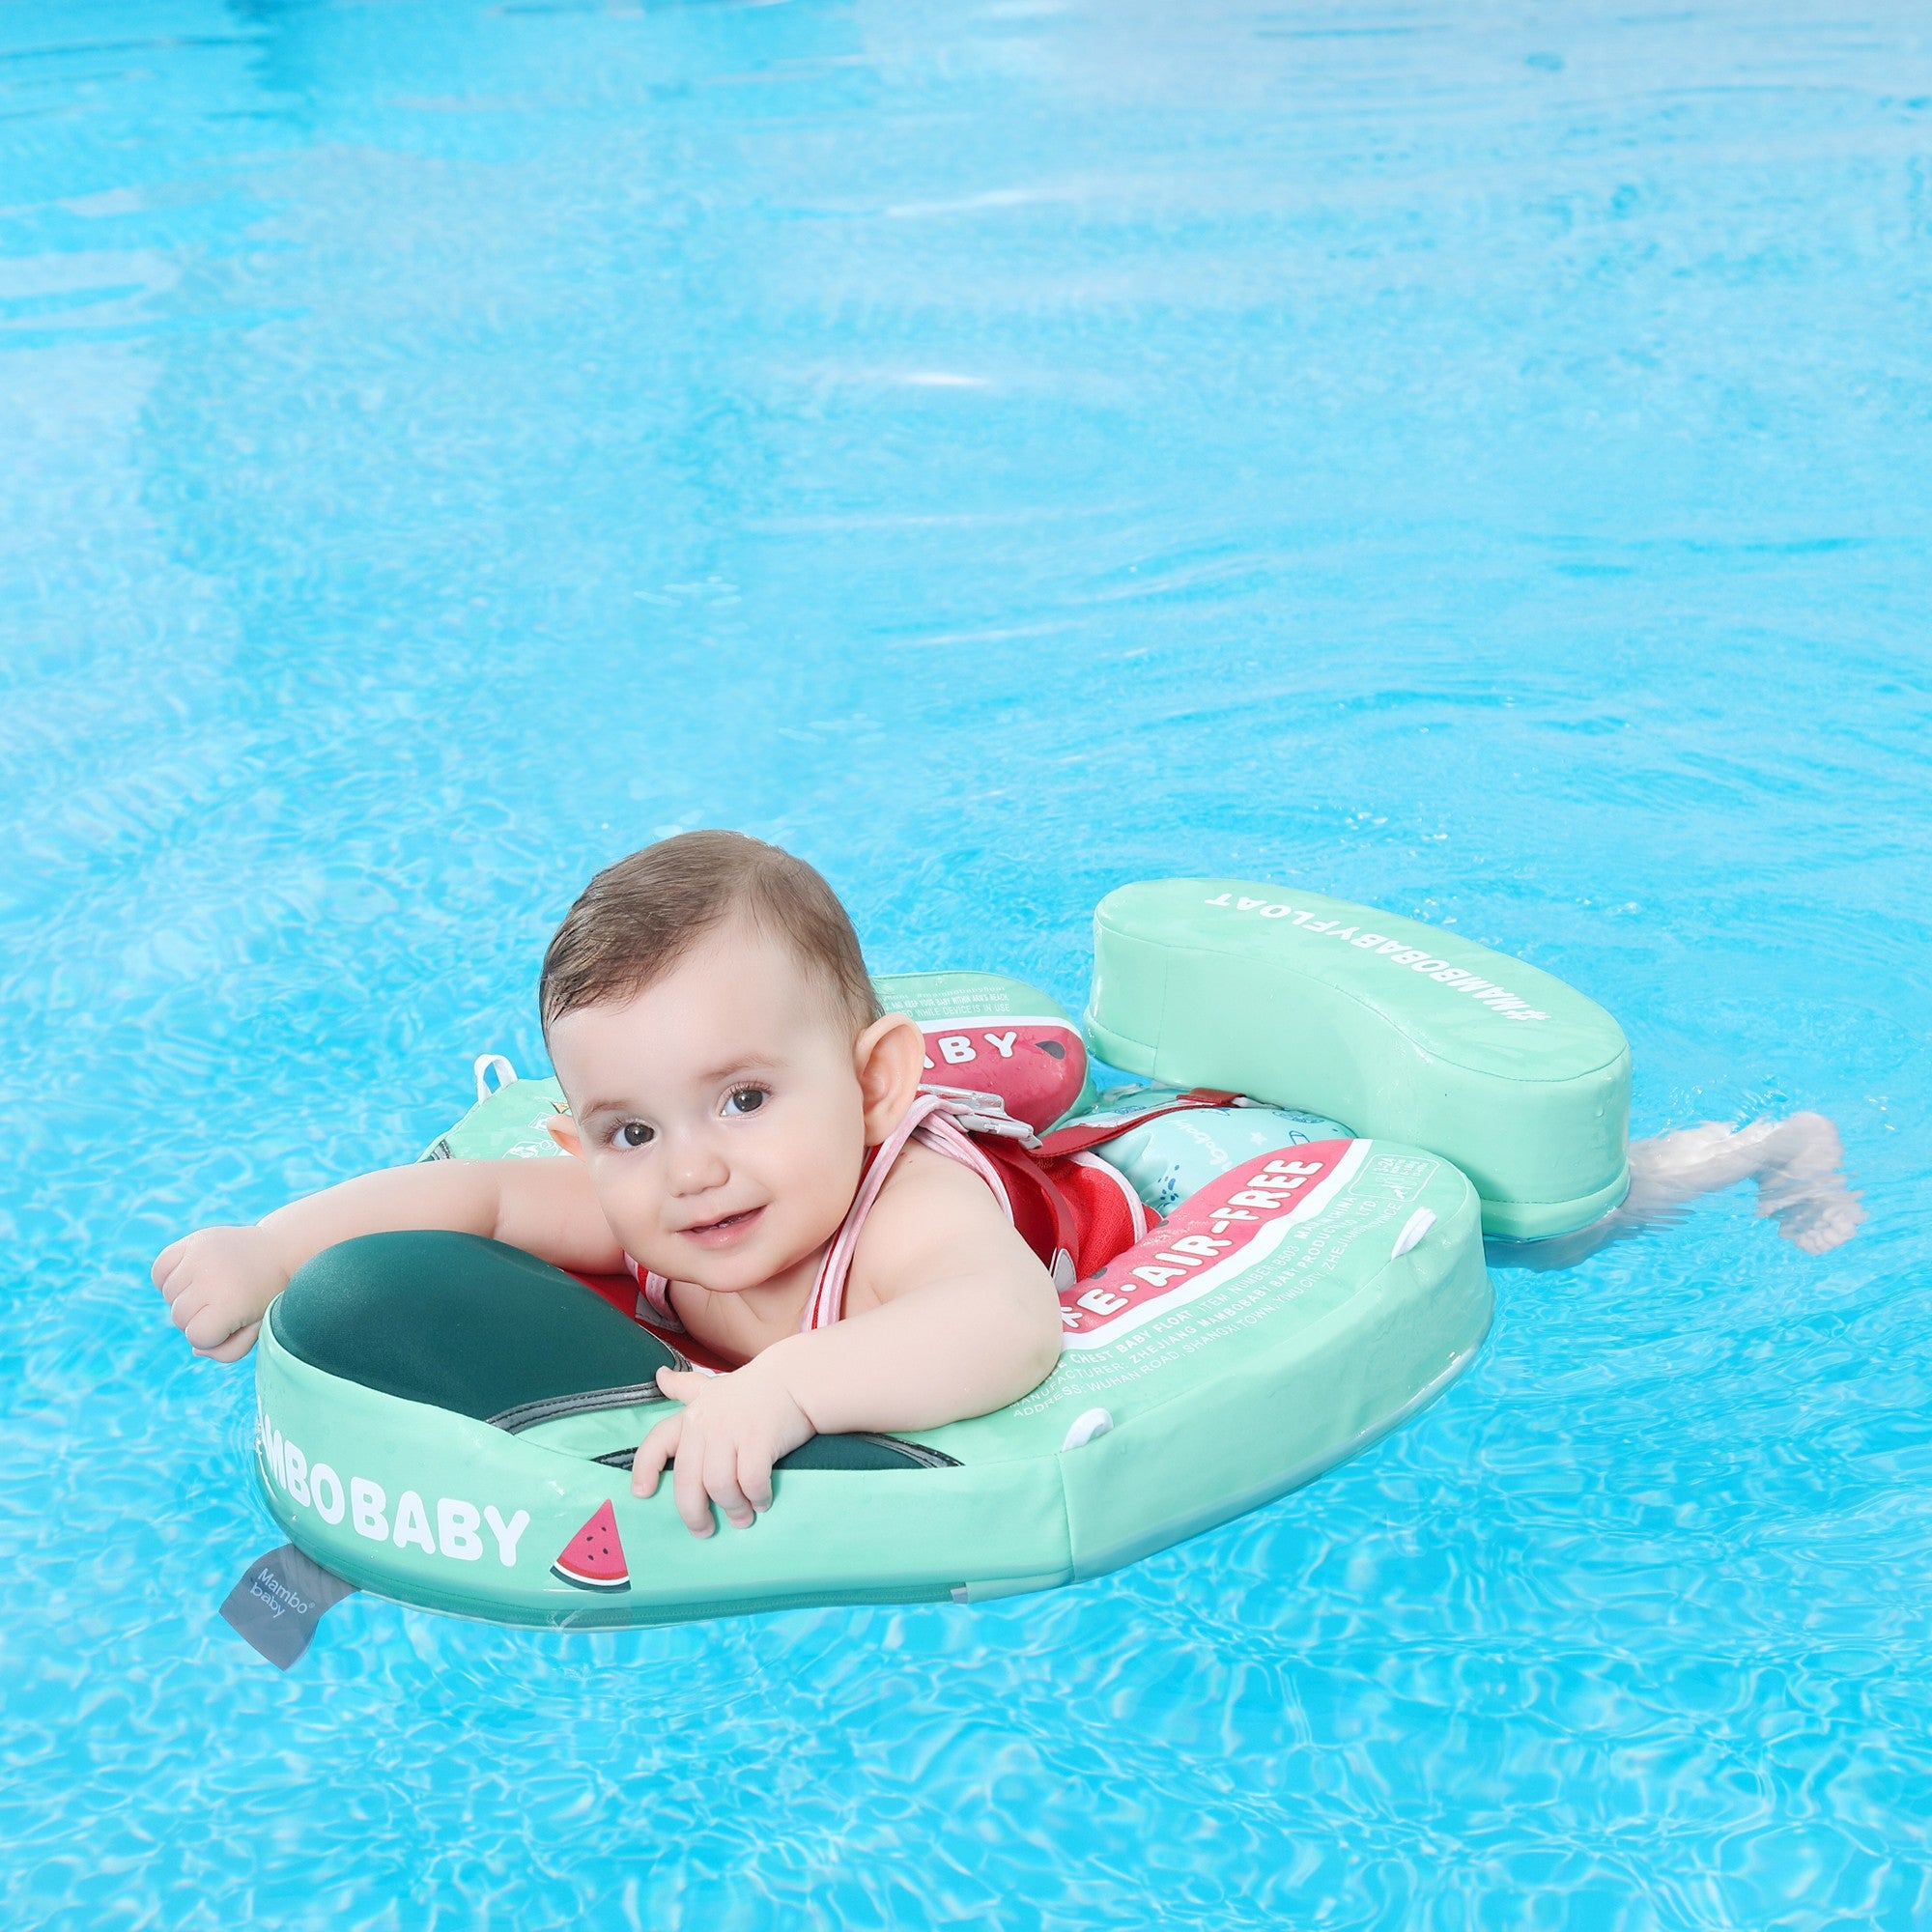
x=1454, y=460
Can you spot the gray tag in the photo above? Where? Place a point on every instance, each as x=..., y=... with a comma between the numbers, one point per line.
x=280, y=1600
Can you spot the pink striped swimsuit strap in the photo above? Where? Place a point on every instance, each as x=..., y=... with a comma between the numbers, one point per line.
x=925, y=1121
x=653, y=1296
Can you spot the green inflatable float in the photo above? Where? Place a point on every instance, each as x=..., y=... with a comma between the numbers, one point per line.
x=1310, y=1287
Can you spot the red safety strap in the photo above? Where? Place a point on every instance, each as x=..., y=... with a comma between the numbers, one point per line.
x=1081, y=1135
x=1025, y=1177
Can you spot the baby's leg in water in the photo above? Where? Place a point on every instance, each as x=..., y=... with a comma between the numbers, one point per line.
x=1796, y=1164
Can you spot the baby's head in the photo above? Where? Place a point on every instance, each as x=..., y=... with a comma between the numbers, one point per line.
x=710, y=1018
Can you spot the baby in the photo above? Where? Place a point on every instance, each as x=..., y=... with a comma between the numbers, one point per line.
x=748, y=1139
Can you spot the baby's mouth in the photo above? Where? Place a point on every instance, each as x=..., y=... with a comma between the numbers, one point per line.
x=722, y=1232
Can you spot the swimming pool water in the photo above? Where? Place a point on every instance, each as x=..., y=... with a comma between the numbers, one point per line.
x=1470, y=458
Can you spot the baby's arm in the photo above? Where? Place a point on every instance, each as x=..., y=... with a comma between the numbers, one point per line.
x=965, y=1319
x=220, y=1281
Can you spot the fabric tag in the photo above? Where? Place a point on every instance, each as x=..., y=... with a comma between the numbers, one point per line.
x=280, y=1600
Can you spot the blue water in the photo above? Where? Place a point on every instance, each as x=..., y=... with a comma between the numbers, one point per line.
x=1471, y=457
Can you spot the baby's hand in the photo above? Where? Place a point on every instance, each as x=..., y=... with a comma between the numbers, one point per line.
x=219, y=1283
x=723, y=1442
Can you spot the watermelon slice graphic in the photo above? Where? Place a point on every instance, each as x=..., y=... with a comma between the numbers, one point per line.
x=593, y=1559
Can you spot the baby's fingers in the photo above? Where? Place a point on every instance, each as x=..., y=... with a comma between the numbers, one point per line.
x=206, y=1327
x=166, y=1263
x=687, y=1486
x=654, y=1452
x=214, y=1333
x=236, y=1347
x=720, y=1483
x=754, y=1475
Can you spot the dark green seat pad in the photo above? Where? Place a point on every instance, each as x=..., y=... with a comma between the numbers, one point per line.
x=470, y=1325
x=459, y=1323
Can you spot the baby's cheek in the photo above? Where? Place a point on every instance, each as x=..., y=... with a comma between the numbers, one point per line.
x=824, y=1182
x=633, y=1229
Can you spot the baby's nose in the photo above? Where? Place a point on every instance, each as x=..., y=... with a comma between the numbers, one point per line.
x=698, y=1168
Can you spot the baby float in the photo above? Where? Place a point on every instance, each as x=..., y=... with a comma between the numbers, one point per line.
x=1309, y=1289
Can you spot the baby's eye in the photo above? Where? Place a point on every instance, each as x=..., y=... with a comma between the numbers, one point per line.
x=745, y=1099
x=634, y=1134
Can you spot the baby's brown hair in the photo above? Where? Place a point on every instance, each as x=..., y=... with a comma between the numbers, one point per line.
x=633, y=922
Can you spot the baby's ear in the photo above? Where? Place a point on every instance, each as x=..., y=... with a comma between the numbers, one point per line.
x=890, y=1058
x=562, y=1130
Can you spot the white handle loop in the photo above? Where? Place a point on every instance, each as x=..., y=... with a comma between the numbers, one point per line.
x=1413, y=1229
x=1094, y=1422
x=487, y=1063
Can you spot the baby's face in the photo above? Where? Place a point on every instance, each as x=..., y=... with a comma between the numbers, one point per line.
x=720, y=1113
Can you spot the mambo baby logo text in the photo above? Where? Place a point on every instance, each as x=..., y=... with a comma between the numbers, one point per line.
x=1224, y=1231
x=279, y=1597
x=1398, y=953
x=459, y=1525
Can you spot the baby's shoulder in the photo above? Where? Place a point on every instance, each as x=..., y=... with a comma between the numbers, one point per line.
x=923, y=1177
x=929, y=1206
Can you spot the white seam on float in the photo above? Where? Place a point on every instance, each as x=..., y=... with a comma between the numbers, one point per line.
x=980, y=1021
